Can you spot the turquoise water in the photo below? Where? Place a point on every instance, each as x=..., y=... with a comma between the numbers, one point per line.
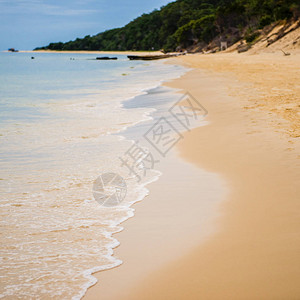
x=61, y=125
x=27, y=83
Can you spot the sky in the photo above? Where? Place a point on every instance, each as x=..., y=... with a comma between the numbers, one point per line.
x=26, y=24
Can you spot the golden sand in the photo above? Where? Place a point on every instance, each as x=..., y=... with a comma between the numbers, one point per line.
x=252, y=141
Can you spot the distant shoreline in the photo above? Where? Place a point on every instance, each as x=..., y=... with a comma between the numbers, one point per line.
x=86, y=52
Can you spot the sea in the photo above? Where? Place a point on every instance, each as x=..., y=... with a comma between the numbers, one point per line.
x=69, y=125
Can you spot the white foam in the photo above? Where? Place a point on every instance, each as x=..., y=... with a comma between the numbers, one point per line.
x=143, y=192
x=47, y=203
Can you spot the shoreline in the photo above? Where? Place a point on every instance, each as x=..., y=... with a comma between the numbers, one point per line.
x=144, y=233
x=255, y=252
x=87, y=52
x=247, y=256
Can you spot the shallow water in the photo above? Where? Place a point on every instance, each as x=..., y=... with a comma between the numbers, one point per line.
x=62, y=124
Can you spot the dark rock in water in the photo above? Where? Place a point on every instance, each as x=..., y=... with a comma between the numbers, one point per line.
x=32, y=57
x=13, y=50
x=106, y=58
x=153, y=57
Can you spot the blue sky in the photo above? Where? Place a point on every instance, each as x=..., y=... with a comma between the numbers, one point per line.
x=26, y=24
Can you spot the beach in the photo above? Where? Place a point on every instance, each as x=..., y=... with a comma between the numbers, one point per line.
x=236, y=234
x=150, y=151
x=62, y=126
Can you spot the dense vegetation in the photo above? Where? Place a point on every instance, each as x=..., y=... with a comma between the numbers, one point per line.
x=183, y=23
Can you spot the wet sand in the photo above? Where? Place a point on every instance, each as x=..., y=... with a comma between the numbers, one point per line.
x=249, y=245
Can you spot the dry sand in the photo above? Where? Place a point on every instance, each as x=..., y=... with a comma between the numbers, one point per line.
x=252, y=142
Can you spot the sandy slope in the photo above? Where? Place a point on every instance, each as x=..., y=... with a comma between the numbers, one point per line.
x=252, y=142
x=255, y=254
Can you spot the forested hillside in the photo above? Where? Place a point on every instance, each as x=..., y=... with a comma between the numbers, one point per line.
x=184, y=23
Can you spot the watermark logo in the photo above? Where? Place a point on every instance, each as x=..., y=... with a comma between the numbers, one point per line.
x=138, y=161
x=109, y=189
x=163, y=136
x=187, y=111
